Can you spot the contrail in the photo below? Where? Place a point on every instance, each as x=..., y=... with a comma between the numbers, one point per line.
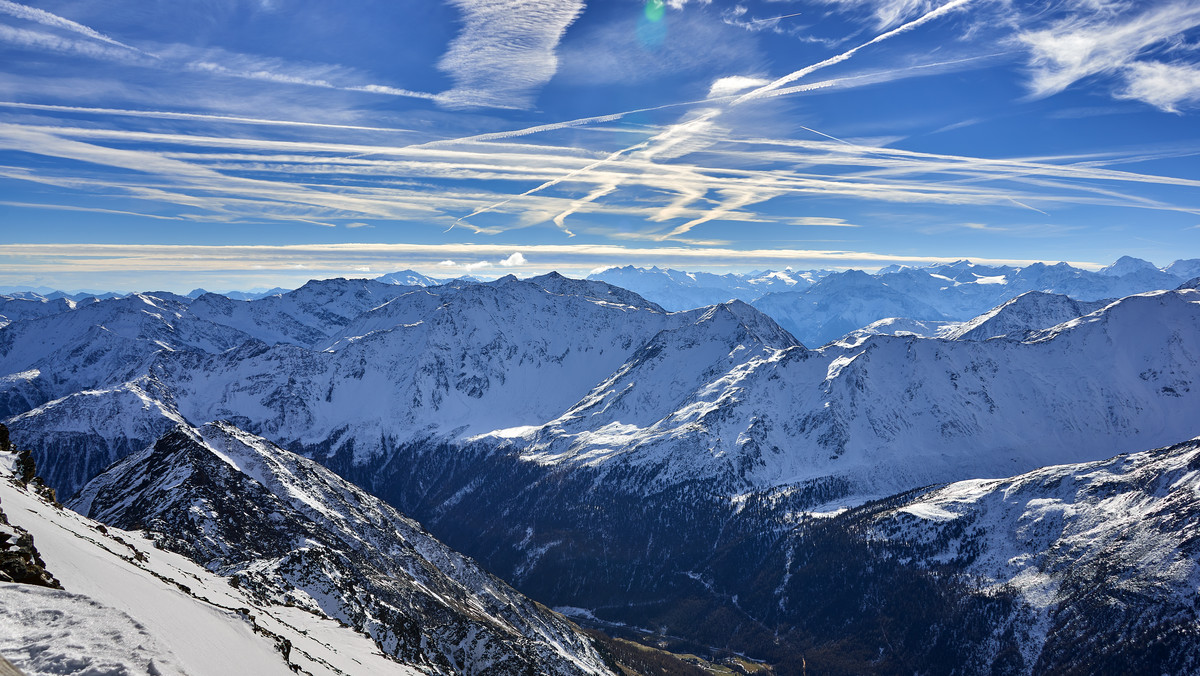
x=552, y=182
x=612, y=117
x=47, y=19
x=749, y=96
x=198, y=117
x=554, y=126
x=1022, y=204
x=831, y=138
x=775, y=18
x=796, y=75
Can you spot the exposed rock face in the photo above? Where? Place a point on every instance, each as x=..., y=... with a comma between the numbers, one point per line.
x=290, y=531
x=19, y=558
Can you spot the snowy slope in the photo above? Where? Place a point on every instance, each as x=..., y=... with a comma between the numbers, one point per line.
x=1030, y=311
x=719, y=343
x=290, y=531
x=408, y=278
x=893, y=413
x=457, y=361
x=130, y=608
x=849, y=300
x=13, y=308
x=841, y=303
x=536, y=367
x=449, y=361
x=900, y=326
x=305, y=316
x=96, y=345
x=1105, y=556
x=677, y=290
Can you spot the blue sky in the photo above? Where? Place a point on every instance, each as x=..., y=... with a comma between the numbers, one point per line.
x=253, y=143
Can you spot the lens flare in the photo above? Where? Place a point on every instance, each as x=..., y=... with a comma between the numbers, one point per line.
x=654, y=10
x=651, y=29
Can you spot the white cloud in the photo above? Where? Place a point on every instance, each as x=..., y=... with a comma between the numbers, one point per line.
x=1162, y=85
x=196, y=117
x=734, y=84
x=246, y=67
x=617, y=52
x=514, y=260
x=739, y=16
x=22, y=260
x=210, y=61
x=1092, y=43
x=242, y=178
x=890, y=12
x=506, y=50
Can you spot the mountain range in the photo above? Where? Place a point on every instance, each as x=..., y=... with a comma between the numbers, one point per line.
x=684, y=475
x=820, y=306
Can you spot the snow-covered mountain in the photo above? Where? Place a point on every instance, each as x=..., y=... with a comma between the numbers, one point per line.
x=1184, y=269
x=677, y=290
x=447, y=361
x=739, y=399
x=306, y=316
x=1082, y=568
x=901, y=326
x=1136, y=268
x=1031, y=311
x=292, y=533
x=841, y=303
x=818, y=306
x=571, y=434
x=98, y=344
x=1104, y=557
x=952, y=292
x=409, y=278
x=893, y=413
x=13, y=308
x=127, y=607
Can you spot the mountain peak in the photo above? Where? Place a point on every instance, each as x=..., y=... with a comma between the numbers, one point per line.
x=1030, y=311
x=1128, y=265
x=753, y=320
x=407, y=278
